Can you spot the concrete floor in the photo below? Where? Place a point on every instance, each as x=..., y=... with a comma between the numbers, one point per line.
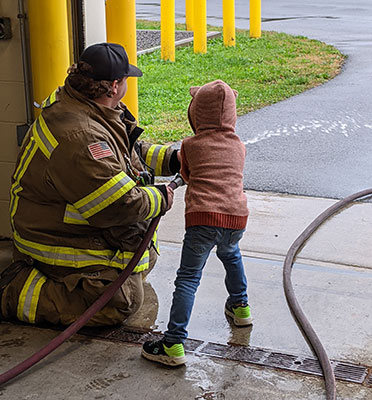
x=335, y=296
x=91, y=369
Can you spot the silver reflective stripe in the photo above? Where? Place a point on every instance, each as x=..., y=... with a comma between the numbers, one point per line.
x=20, y=168
x=72, y=216
x=15, y=190
x=154, y=200
x=29, y=297
x=68, y=260
x=121, y=260
x=154, y=157
x=42, y=137
x=106, y=195
x=78, y=258
x=126, y=259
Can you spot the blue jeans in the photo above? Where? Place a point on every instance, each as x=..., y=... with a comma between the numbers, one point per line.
x=197, y=245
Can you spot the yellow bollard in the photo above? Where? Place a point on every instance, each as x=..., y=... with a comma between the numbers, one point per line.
x=228, y=8
x=121, y=29
x=255, y=19
x=189, y=6
x=167, y=26
x=200, y=26
x=49, y=45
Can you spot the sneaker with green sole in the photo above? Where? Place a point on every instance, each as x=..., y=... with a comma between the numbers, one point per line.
x=240, y=313
x=158, y=351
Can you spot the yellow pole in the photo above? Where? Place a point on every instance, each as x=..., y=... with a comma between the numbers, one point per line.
x=200, y=26
x=49, y=45
x=255, y=19
x=228, y=8
x=189, y=15
x=70, y=31
x=121, y=29
x=167, y=26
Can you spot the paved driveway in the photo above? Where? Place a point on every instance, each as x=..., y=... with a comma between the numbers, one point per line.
x=317, y=143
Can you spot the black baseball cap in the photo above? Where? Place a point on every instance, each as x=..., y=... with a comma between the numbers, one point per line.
x=109, y=62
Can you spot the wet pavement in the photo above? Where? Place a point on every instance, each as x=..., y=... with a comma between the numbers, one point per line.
x=85, y=368
x=224, y=362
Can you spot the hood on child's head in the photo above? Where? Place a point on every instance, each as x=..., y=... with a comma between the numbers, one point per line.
x=212, y=107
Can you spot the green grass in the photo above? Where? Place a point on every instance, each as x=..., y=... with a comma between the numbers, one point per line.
x=263, y=71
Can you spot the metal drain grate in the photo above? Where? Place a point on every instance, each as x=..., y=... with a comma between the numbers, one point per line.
x=309, y=365
x=217, y=350
x=349, y=372
x=252, y=355
x=280, y=360
x=343, y=371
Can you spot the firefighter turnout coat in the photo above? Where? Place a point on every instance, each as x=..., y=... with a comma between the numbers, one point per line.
x=80, y=207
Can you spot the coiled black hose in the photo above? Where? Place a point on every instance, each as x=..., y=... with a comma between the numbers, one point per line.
x=295, y=308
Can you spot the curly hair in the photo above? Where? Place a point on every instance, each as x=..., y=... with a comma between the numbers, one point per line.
x=84, y=84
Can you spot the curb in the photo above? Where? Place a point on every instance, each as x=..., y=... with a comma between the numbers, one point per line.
x=180, y=43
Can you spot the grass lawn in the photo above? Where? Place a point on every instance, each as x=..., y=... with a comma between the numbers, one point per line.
x=263, y=71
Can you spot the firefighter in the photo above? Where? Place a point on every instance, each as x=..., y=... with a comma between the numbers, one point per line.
x=82, y=197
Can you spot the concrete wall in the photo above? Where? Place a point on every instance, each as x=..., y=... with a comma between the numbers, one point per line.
x=12, y=107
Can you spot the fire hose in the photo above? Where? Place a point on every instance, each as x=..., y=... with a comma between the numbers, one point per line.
x=299, y=316
x=95, y=307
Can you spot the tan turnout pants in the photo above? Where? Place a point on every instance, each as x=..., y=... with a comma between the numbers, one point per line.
x=44, y=293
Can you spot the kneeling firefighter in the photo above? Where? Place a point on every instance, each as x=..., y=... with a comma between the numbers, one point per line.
x=82, y=197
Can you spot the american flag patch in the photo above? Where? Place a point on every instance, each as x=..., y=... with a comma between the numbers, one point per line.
x=100, y=150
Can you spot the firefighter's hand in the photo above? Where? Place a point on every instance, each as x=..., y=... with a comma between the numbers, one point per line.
x=170, y=193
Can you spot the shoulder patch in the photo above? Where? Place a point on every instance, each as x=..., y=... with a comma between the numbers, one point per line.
x=100, y=150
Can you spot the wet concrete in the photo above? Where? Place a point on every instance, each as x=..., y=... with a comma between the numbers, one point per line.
x=93, y=369
x=336, y=300
x=335, y=297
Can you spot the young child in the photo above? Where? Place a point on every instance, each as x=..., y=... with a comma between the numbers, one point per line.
x=216, y=214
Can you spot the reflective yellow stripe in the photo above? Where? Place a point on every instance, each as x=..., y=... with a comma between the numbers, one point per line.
x=24, y=162
x=50, y=99
x=77, y=258
x=159, y=161
x=105, y=195
x=122, y=259
x=155, y=201
x=14, y=199
x=43, y=137
x=39, y=142
x=29, y=296
x=22, y=296
x=53, y=97
x=155, y=157
x=149, y=154
x=35, y=299
x=155, y=240
x=72, y=216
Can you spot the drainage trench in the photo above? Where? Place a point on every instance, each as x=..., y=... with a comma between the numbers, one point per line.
x=344, y=371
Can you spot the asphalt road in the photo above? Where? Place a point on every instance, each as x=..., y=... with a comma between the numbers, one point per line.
x=317, y=143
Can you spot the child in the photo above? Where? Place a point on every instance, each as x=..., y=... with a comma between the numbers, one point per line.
x=216, y=214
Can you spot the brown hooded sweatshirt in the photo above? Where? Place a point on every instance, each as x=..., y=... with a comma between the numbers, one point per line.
x=213, y=160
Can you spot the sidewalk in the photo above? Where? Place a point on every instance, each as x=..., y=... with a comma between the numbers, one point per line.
x=335, y=296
